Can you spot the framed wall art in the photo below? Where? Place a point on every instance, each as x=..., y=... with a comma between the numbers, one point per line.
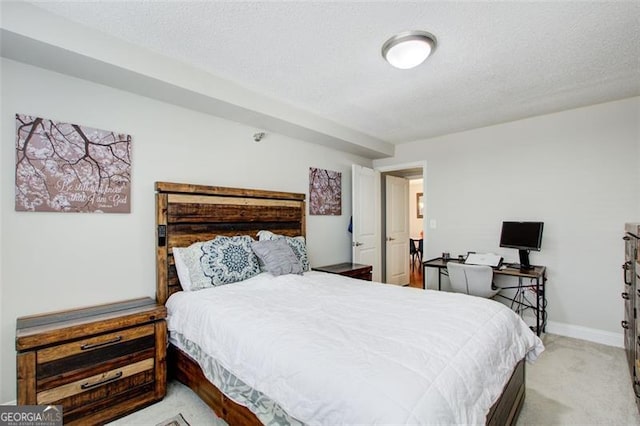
x=325, y=192
x=64, y=167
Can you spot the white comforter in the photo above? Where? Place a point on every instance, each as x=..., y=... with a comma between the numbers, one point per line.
x=333, y=350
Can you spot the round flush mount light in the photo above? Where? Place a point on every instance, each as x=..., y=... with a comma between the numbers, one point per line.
x=408, y=49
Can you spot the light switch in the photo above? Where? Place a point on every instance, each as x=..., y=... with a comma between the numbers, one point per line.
x=432, y=223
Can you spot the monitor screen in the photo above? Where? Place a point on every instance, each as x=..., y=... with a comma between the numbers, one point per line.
x=522, y=235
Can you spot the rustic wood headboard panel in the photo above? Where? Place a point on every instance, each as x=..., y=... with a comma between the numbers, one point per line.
x=188, y=213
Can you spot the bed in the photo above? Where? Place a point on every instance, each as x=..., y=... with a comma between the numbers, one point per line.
x=187, y=214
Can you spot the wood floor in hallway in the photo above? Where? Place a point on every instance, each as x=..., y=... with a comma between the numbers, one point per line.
x=416, y=276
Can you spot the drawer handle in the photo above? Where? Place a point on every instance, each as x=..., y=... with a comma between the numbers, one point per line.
x=88, y=346
x=101, y=382
x=625, y=296
x=625, y=268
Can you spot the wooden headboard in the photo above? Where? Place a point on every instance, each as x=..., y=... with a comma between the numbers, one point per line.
x=186, y=214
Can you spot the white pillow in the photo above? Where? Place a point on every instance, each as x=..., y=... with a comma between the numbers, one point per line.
x=181, y=269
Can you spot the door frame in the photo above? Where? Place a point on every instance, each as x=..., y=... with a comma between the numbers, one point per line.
x=395, y=168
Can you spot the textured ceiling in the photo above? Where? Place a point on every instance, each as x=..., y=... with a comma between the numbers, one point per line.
x=495, y=61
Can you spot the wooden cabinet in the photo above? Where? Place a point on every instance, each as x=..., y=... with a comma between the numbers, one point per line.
x=631, y=299
x=99, y=363
x=348, y=269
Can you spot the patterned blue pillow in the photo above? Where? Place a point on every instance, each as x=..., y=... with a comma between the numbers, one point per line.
x=226, y=260
x=297, y=244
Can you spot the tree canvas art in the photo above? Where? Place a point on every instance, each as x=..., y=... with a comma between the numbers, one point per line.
x=62, y=167
x=325, y=192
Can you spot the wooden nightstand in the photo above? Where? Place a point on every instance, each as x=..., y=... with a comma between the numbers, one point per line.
x=99, y=363
x=348, y=269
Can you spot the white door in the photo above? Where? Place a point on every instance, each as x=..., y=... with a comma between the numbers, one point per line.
x=366, y=217
x=397, y=230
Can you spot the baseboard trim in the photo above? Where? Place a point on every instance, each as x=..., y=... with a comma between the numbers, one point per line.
x=14, y=402
x=585, y=333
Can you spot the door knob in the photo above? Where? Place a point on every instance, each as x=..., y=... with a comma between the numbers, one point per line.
x=390, y=239
x=357, y=244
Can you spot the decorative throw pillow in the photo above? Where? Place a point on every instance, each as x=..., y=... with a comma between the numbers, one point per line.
x=277, y=257
x=227, y=260
x=223, y=260
x=297, y=244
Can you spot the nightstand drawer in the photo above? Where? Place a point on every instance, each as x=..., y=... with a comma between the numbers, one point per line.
x=89, y=345
x=98, y=385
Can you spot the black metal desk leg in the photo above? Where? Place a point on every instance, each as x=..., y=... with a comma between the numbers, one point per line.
x=544, y=302
x=424, y=277
x=538, y=306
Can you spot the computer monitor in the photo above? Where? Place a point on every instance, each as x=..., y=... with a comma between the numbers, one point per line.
x=524, y=236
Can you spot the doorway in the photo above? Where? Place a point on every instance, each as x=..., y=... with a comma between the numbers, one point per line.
x=415, y=174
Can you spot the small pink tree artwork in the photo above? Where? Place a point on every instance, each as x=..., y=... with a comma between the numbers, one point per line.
x=325, y=192
x=62, y=167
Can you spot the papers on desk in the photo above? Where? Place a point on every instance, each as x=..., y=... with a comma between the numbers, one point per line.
x=488, y=259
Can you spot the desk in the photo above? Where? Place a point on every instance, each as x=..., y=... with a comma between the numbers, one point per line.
x=537, y=280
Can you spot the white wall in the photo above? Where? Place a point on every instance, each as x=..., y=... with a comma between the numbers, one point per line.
x=415, y=223
x=576, y=170
x=2, y=206
x=53, y=261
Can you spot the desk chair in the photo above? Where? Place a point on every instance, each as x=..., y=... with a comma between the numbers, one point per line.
x=476, y=280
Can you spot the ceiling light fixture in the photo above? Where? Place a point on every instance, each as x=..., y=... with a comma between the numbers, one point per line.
x=408, y=49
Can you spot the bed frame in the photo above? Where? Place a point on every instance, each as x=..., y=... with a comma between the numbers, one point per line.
x=189, y=213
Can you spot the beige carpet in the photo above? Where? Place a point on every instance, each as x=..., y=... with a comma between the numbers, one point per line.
x=573, y=383
x=179, y=400
x=174, y=421
x=579, y=383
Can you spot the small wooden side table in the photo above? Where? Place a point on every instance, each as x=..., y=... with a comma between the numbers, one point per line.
x=348, y=269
